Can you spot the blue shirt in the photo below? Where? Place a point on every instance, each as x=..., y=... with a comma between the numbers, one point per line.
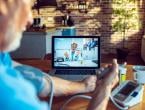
x=16, y=93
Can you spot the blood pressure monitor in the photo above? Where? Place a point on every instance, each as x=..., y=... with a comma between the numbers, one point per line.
x=129, y=93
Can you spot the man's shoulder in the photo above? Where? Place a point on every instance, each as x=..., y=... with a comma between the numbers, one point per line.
x=16, y=90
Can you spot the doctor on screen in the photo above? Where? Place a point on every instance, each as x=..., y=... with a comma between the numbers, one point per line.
x=74, y=54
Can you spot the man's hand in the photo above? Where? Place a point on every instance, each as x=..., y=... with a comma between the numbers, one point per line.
x=111, y=79
x=103, y=88
x=90, y=83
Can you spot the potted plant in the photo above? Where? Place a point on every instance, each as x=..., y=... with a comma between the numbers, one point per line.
x=124, y=15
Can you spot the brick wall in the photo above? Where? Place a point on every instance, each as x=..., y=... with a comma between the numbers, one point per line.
x=99, y=20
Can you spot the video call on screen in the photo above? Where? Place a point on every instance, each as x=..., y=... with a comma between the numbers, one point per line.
x=76, y=52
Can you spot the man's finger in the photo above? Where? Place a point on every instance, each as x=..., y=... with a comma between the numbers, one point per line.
x=115, y=61
x=115, y=64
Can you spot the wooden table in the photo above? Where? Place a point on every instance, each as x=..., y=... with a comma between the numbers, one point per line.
x=44, y=65
x=80, y=104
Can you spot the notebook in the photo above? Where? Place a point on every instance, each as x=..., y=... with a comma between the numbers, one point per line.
x=75, y=57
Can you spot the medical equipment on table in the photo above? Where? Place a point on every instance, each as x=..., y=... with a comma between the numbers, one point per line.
x=127, y=94
x=122, y=97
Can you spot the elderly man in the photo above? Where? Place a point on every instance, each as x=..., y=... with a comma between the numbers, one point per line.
x=16, y=92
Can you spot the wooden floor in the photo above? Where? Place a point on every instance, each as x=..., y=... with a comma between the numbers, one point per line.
x=131, y=59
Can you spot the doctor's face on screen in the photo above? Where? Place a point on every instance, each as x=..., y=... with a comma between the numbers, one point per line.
x=74, y=46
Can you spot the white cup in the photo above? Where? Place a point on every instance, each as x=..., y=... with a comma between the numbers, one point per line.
x=139, y=76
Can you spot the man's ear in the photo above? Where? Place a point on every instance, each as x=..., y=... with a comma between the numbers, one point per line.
x=3, y=8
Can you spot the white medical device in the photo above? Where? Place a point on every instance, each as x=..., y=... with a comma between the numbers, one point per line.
x=128, y=94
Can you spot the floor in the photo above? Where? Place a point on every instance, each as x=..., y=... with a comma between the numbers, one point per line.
x=131, y=59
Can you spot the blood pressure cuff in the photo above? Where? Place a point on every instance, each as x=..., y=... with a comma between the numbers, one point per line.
x=34, y=75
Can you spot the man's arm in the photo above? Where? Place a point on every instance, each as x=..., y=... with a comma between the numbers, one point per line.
x=103, y=89
x=66, y=87
x=100, y=98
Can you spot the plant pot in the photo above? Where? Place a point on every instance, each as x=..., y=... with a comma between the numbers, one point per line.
x=122, y=53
